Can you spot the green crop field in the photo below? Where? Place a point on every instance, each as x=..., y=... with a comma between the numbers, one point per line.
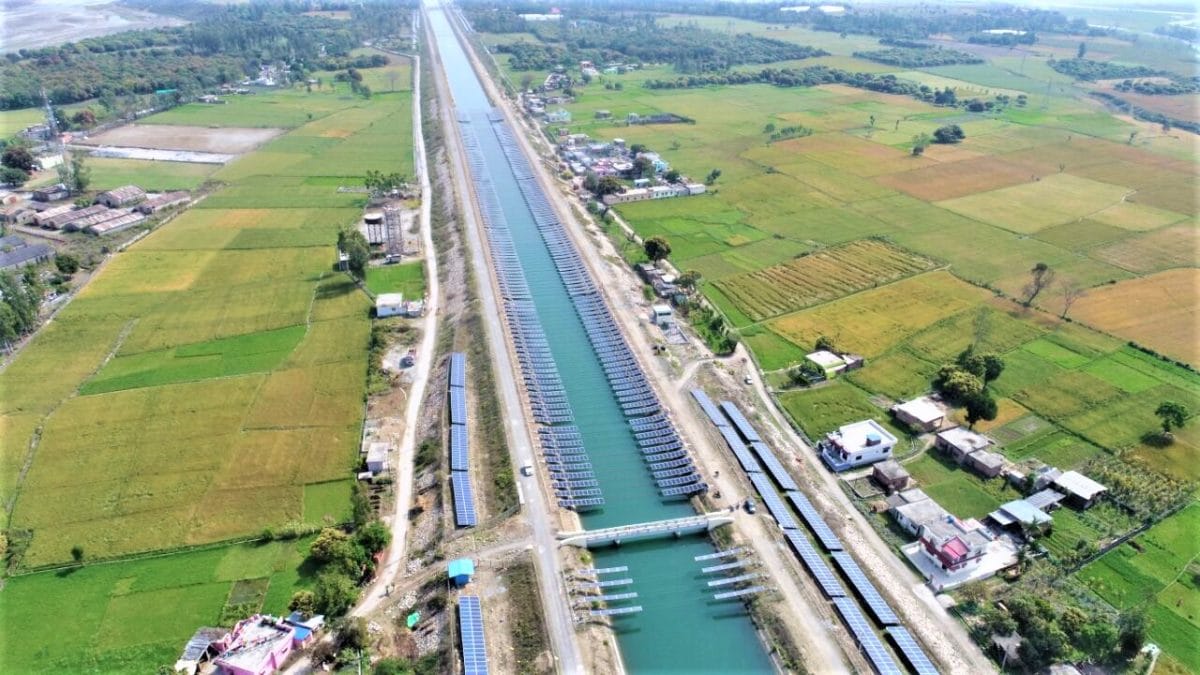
x=407, y=278
x=208, y=383
x=136, y=616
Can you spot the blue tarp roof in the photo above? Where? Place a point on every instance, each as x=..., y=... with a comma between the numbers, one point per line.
x=462, y=566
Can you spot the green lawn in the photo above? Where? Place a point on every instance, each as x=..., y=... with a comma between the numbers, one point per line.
x=407, y=278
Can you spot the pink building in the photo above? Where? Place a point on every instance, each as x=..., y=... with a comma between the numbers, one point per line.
x=256, y=646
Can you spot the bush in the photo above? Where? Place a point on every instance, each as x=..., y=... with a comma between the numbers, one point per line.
x=334, y=593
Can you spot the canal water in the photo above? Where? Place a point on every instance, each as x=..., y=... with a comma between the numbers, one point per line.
x=681, y=628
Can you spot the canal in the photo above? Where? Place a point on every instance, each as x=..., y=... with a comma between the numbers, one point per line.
x=681, y=628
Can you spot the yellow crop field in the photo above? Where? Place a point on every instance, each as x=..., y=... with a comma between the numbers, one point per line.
x=956, y=179
x=1177, y=246
x=871, y=322
x=1158, y=311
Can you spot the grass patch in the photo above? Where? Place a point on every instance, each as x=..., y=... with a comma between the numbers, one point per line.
x=407, y=278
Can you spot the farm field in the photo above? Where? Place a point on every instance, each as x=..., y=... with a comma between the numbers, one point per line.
x=229, y=140
x=407, y=278
x=135, y=616
x=1158, y=311
x=208, y=384
x=151, y=176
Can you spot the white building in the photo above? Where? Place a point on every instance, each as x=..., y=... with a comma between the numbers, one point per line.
x=857, y=444
x=377, y=457
x=661, y=315
x=389, y=304
x=831, y=364
x=920, y=414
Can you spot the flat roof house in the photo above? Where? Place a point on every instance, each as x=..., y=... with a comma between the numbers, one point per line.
x=1020, y=512
x=986, y=464
x=164, y=201
x=377, y=457
x=126, y=195
x=1081, y=491
x=960, y=442
x=920, y=414
x=256, y=646
x=918, y=513
x=952, y=545
x=23, y=255
x=389, y=304
x=890, y=475
x=51, y=193
x=857, y=444
x=831, y=364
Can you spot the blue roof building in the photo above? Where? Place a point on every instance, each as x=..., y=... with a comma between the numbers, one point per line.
x=461, y=571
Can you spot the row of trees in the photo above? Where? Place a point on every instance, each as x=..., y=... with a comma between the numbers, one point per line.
x=20, y=297
x=1090, y=71
x=345, y=558
x=910, y=57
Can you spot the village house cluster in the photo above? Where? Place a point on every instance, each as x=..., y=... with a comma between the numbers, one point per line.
x=112, y=211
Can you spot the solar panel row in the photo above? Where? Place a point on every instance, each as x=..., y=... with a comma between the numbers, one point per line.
x=812, y=560
x=911, y=651
x=458, y=369
x=775, y=505
x=739, y=421
x=774, y=466
x=470, y=628
x=464, y=499
x=866, y=590
x=815, y=523
x=870, y=644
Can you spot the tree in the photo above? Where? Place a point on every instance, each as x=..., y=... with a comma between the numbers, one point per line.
x=920, y=142
x=526, y=81
x=957, y=384
x=355, y=246
x=672, y=176
x=66, y=263
x=1082, y=51
x=1072, y=291
x=334, y=593
x=19, y=157
x=643, y=167
x=81, y=174
x=1172, y=415
x=77, y=553
x=980, y=407
x=769, y=128
x=392, y=666
x=1131, y=632
x=657, y=248
x=993, y=366
x=374, y=537
x=637, y=149
x=1097, y=639
x=1040, y=278
x=825, y=343
x=84, y=118
x=609, y=185
x=951, y=133
x=12, y=176
x=327, y=545
x=712, y=176
x=353, y=633
x=304, y=602
x=689, y=279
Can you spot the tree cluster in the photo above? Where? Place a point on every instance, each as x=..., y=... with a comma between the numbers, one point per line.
x=965, y=383
x=1090, y=71
x=1055, y=632
x=1173, y=87
x=380, y=183
x=923, y=57
x=949, y=134
x=344, y=558
x=20, y=297
x=357, y=249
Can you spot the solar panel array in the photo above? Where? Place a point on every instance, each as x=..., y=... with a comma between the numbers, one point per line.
x=774, y=466
x=815, y=522
x=866, y=590
x=710, y=409
x=739, y=421
x=625, y=375
x=464, y=499
x=870, y=644
x=740, y=451
x=470, y=628
x=911, y=651
x=775, y=505
x=815, y=564
x=565, y=456
x=460, y=459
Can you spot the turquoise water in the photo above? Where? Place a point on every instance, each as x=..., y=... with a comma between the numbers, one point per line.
x=681, y=628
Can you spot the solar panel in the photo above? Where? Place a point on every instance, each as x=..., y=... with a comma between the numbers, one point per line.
x=870, y=595
x=458, y=405
x=911, y=651
x=709, y=408
x=815, y=564
x=771, y=461
x=458, y=369
x=864, y=635
x=815, y=523
x=464, y=499
x=744, y=457
x=459, y=458
x=739, y=421
x=774, y=504
x=470, y=627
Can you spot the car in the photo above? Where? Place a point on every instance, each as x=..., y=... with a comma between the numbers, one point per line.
x=750, y=506
x=527, y=470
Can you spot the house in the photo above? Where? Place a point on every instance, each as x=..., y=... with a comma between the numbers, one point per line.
x=122, y=222
x=558, y=116
x=920, y=414
x=953, y=545
x=256, y=646
x=960, y=442
x=377, y=454
x=641, y=182
x=47, y=215
x=696, y=188
x=1020, y=514
x=634, y=195
x=603, y=114
x=890, y=475
x=831, y=364
x=60, y=221
x=14, y=257
x=460, y=571
x=124, y=196
x=914, y=515
x=303, y=629
x=414, y=309
x=857, y=444
x=660, y=165
x=51, y=193
x=662, y=192
x=1081, y=491
x=661, y=315
x=1044, y=475
x=17, y=215
x=199, y=649
x=166, y=200
x=986, y=464
x=389, y=304
x=1046, y=499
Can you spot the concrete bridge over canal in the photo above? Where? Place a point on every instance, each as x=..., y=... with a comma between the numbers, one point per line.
x=673, y=527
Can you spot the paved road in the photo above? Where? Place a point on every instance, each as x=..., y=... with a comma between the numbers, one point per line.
x=559, y=622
